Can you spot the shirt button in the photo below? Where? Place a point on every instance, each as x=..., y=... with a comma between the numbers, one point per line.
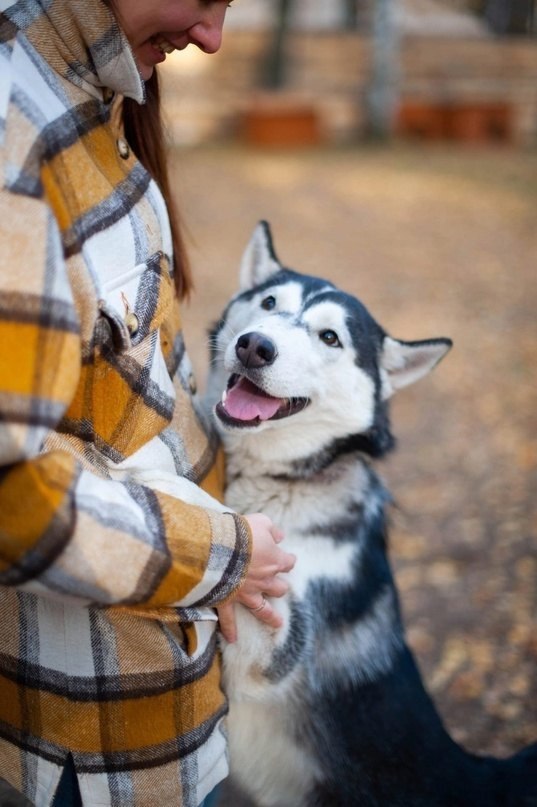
x=132, y=323
x=123, y=148
x=130, y=319
x=108, y=95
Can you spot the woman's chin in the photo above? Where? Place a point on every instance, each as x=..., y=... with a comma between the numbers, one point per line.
x=146, y=71
x=147, y=59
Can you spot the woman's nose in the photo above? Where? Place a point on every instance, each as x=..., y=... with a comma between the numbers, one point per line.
x=207, y=33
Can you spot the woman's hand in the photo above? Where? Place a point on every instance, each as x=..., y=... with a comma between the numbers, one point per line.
x=262, y=580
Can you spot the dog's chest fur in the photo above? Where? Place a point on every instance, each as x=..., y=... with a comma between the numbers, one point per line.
x=330, y=639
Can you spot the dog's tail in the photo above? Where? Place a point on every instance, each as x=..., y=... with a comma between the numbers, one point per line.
x=518, y=776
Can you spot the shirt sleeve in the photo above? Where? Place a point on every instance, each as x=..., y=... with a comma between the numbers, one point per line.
x=66, y=531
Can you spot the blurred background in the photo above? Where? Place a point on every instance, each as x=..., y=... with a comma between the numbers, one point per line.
x=393, y=147
x=315, y=71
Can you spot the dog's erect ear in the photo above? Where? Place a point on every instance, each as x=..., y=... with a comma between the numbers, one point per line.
x=259, y=261
x=406, y=362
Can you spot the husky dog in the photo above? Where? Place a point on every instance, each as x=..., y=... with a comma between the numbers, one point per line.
x=329, y=710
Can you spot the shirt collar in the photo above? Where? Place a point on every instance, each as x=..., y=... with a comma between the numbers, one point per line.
x=82, y=41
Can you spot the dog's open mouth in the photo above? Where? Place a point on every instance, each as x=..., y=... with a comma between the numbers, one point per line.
x=245, y=404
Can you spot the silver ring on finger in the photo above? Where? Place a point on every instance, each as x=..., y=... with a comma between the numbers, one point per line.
x=258, y=607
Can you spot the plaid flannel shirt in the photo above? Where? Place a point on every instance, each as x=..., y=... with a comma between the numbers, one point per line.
x=107, y=634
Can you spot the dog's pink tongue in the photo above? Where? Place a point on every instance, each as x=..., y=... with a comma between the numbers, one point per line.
x=246, y=402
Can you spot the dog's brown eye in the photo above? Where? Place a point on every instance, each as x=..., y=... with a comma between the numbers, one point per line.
x=330, y=338
x=268, y=303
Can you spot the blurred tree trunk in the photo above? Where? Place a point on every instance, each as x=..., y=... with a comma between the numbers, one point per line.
x=510, y=16
x=274, y=73
x=383, y=91
x=350, y=14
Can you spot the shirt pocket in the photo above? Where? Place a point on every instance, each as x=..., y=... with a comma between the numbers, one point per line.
x=132, y=394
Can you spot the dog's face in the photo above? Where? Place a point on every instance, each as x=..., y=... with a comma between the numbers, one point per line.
x=300, y=354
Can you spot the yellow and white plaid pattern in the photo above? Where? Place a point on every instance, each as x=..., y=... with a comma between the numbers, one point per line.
x=107, y=635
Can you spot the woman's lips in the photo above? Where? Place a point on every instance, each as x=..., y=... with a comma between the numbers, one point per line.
x=162, y=44
x=155, y=50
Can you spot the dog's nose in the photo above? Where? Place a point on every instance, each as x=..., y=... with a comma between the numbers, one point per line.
x=255, y=350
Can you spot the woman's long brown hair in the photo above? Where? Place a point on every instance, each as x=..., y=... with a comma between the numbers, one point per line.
x=144, y=131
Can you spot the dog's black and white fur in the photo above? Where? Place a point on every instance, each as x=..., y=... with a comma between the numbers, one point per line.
x=329, y=710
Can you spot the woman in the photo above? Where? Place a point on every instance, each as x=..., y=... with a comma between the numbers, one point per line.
x=112, y=557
